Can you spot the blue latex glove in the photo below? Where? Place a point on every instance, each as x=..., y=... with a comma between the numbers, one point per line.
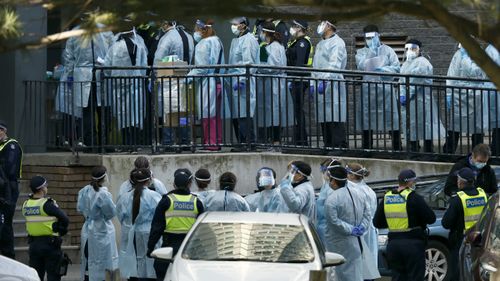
x=285, y=182
x=69, y=81
x=321, y=87
x=402, y=100
x=358, y=231
x=448, y=102
x=239, y=86
x=379, y=69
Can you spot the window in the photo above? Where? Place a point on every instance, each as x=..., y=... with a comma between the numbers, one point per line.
x=495, y=234
x=249, y=242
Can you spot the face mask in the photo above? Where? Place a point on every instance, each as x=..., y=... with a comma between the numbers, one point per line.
x=235, y=30
x=410, y=55
x=479, y=165
x=293, y=31
x=368, y=42
x=375, y=42
x=197, y=36
x=262, y=37
x=321, y=28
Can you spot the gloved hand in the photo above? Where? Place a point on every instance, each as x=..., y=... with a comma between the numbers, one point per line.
x=358, y=231
x=148, y=254
x=70, y=80
x=448, y=102
x=402, y=100
x=321, y=87
x=285, y=182
x=239, y=86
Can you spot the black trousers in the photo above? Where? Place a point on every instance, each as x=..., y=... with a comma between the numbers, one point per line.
x=299, y=131
x=243, y=127
x=334, y=134
x=415, y=146
x=454, y=269
x=406, y=259
x=6, y=220
x=452, y=138
x=92, y=132
x=269, y=133
x=45, y=256
x=367, y=139
x=169, y=240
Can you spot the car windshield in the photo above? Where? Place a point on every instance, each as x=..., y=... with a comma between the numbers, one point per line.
x=433, y=194
x=495, y=233
x=249, y=242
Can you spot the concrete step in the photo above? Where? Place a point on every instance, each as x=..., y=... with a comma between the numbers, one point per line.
x=20, y=239
x=73, y=251
x=19, y=225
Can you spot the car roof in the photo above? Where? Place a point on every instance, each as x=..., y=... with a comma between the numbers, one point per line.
x=253, y=217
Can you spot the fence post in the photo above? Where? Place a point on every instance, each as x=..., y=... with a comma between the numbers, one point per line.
x=408, y=117
x=247, y=102
x=102, y=130
x=154, y=113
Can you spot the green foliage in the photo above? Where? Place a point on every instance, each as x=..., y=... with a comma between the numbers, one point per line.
x=10, y=26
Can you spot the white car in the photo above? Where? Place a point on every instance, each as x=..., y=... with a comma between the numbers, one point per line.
x=11, y=270
x=249, y=246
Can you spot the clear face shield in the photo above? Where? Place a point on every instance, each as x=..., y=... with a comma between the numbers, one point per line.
x=266, y=178
x=412, y=51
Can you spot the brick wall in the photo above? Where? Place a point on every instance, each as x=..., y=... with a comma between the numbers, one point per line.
x=64, y=183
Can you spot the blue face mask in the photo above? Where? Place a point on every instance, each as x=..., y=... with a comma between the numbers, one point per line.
x=375, y=43
x=197, y=37
x=479, y=165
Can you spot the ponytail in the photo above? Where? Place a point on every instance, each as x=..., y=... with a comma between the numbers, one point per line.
x=138, y=177
x=98, y=176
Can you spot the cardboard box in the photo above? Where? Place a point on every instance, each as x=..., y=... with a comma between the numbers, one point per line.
x=171, y=72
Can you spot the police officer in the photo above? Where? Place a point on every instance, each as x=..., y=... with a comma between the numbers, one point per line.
x=463, y=212
x=407, y=215
x=45, y=224
x=299, y=53
x=10, y=171
x=171, y=221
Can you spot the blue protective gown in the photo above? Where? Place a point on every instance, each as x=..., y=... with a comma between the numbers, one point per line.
x=98, y=232
x=229, y=201
x=299, y=199
x=127, y=95
x=209, y=51
x=342, y=215
x=171, y=44
x=469, y=107
x=424, y=111
x=330, y=54
x=244, y=50
x=274, y=102
x=268, y=200
x=134, y=236
x=325, y=191
x=377, y=107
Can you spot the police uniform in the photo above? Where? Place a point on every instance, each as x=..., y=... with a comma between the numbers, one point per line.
x=299, y=53
x=463, y=212
x=407, y=215
x=10, y=165
x=174, y=216
x=45, y=224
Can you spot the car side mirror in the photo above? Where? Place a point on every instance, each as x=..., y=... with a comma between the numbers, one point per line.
x=475, y=238
x=333, y=259
x=166, y=253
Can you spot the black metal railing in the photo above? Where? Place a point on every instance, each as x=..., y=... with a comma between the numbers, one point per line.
x=255, y=107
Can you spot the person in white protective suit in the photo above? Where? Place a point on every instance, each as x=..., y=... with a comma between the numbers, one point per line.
x=424, y=122
x=274, y=102
x=240, y=106
x=127, y=90
x=226, y=199
x=135, y=211
x=356, y=174
x=467, y=106
x=331, y=99
x=176, y=42
x=269, y=198
x=99, y=254
x=377, y=107
x=209, y=51
x=325, y=191
x=297, y=190
x=348, y=217
x=155, y=184
x=76, y=96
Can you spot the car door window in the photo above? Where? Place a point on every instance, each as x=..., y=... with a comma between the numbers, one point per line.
x=317, y=241
x=494, y=243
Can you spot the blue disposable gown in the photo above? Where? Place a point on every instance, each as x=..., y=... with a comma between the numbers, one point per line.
x=243, y=51
x=208, y=51
x=371, y=235
x=157, y=185
x=79, y=58
x=424, y=111
x=170, y=44
x=469, y=111
x=98, y=232
x=300, y=199
x=494, y=99
x=134, y=236
x=229, y=201
x=377, y=107
x=342, y=217
x=127, y=94
x=325, y=191
x=330, y=54
x=274, y=102
x=268, y=201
